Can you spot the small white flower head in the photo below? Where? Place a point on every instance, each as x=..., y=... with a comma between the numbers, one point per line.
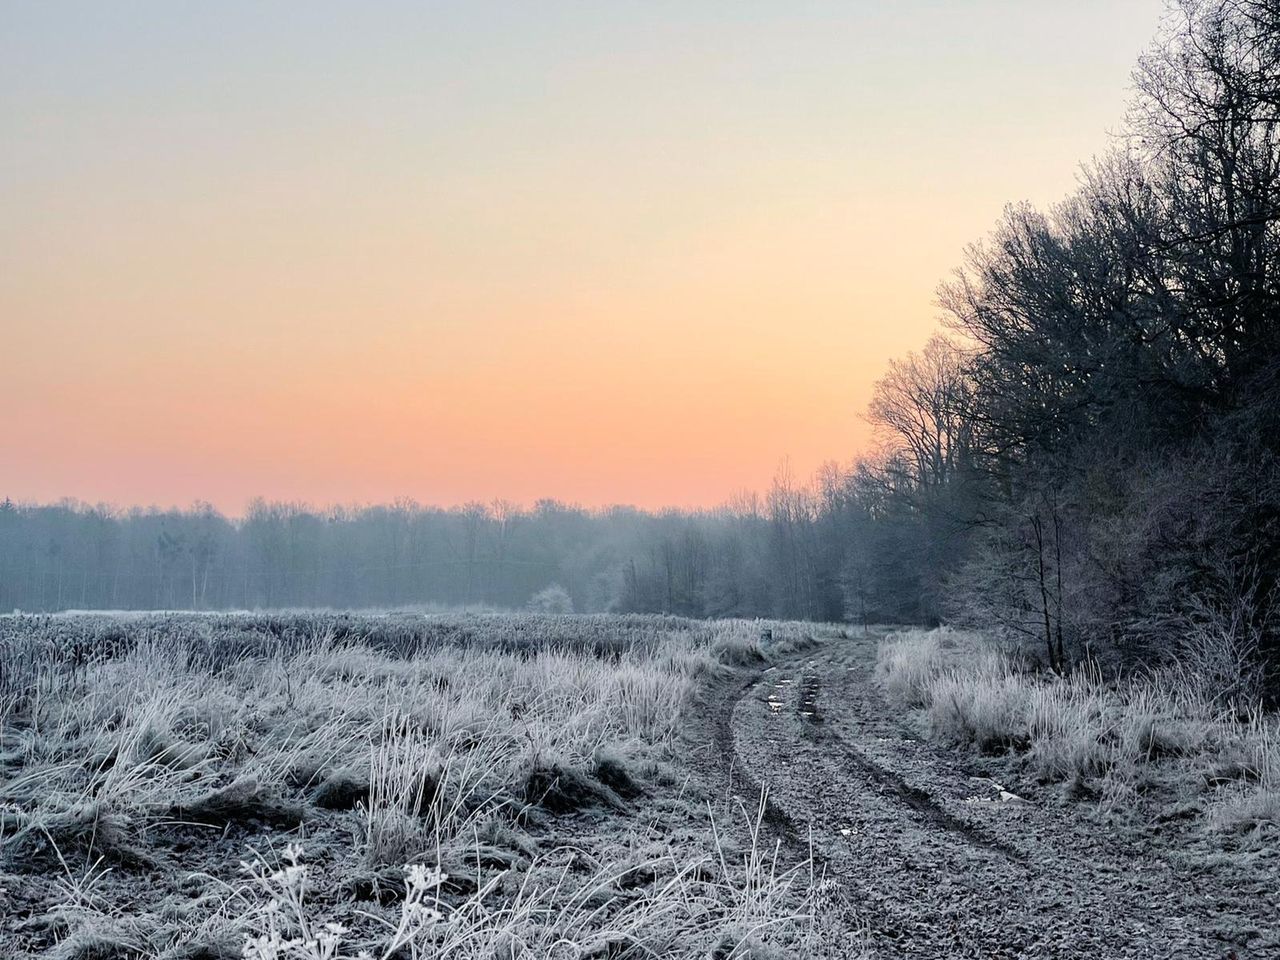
x=291, y=877
x=420, y=878
x=419, y=914
x=266, y=947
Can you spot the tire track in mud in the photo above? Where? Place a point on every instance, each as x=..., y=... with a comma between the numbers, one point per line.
x=926, y=808
x=926, y=871
x=725, y=696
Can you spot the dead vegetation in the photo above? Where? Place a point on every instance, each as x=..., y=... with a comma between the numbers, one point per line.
x=509, y=761
x=1148, y=744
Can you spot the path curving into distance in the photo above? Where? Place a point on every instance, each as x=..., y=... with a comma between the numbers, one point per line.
x=933, y=858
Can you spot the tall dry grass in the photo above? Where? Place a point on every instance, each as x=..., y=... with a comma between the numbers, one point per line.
x=1115, y=739
x=424, y=743
x=702, y=906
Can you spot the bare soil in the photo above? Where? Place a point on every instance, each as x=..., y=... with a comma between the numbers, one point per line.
x=929, y=852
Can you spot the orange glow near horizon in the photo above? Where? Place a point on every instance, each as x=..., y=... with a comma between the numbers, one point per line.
x=628, y=257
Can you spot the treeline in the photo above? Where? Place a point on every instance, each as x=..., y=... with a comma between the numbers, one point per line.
x=1093, y=458
x=831, y=549
x=760, y=557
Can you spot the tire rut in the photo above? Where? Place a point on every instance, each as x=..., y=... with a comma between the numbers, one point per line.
x=923, y=804
x=726, y=697
x=929, y=871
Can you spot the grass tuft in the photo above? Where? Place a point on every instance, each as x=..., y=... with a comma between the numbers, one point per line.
x=244, y=800
x=559, y=788
x=1113, y=740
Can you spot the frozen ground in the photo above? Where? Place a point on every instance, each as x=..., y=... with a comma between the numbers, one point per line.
x=941, y=853
x=565, y=773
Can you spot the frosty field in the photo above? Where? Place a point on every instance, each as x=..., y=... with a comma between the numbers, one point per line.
x=318, y=785
x=325, y=786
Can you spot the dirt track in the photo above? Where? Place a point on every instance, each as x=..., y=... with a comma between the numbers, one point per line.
x=925, y=854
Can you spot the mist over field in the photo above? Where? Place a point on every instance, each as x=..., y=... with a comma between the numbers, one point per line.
x=1000, y=679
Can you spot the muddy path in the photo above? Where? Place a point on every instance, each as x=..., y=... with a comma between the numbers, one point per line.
x=932, y=857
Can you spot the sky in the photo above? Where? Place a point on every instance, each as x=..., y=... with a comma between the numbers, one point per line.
x=603, y=252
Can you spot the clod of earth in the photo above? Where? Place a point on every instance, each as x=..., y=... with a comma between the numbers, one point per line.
x=341, y=790
x=244, y=800
x=561, y=789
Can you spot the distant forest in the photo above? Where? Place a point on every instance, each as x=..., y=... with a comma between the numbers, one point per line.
x=759, y=559
x=1087, y=457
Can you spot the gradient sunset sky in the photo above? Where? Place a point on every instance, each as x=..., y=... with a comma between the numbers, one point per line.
x=606, y=252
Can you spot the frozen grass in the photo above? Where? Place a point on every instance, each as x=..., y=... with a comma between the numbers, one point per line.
x=1114, y=740
x=157, y=725
x=989, y=710
x=453, y=742
x=732, y=908
x=1252, y=801
x=908, y=664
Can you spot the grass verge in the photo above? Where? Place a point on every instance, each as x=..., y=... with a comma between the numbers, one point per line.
x=1151, y=742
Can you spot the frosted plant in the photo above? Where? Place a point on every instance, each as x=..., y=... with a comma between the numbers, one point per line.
x=285, y=931
x=416, y=915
